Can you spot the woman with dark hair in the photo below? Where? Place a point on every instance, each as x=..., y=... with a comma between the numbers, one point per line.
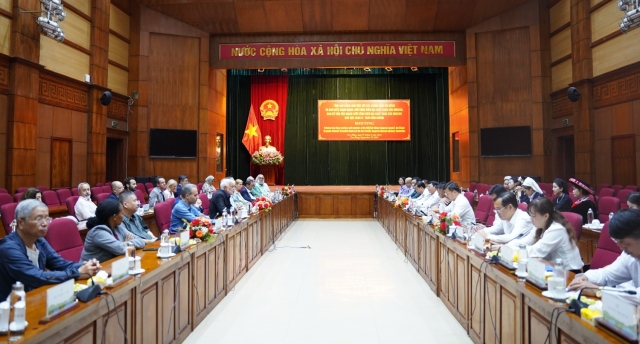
x=581, y=191
x=32, y=193
x=562, y=201
x=633, y=200
x=459, y=204
x=106, y=237
x=554, y=237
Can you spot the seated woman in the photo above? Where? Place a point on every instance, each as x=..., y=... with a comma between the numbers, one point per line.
x=207, y=187
x=32, y=193
x=530, y=191
x=106, y=237
x=554, y=238
x=170, y=191
x=562, y=202
x=582, y=191
x=236, y=198
x=633, y=200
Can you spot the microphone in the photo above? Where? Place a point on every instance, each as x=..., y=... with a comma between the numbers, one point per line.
x=88, y=293
x=577, y=305
x=496, y=259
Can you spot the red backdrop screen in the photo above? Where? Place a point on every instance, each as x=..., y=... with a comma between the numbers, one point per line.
x=364, y=120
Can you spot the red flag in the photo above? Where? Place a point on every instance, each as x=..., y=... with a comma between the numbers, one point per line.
x=252, y=138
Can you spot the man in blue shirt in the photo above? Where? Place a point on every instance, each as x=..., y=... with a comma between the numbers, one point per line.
x=185, y=208
x=26, y=256
x=248, y=185
x=182, y=180
x=116, y=189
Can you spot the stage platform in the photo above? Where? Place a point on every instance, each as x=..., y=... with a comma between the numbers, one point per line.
x=335, y=201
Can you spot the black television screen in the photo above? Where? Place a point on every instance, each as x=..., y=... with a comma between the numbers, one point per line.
x=172, y=143
x=505, y=141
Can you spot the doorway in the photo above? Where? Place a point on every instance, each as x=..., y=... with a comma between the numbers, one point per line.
x=115, y=159
x=565, y=157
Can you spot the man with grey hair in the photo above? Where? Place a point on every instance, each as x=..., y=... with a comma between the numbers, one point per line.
x=185, y=208
x=26, y=256
x=116, y=189
x=84, y=208
x=264, y=188
x=222, y=198
x=131, y=220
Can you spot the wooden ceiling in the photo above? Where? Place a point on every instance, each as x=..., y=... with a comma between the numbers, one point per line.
x=224, y=17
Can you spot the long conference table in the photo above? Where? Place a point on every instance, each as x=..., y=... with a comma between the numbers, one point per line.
x=168, y=301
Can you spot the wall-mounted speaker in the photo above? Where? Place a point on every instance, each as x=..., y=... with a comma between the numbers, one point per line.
x=105, y=98
x=573, y=94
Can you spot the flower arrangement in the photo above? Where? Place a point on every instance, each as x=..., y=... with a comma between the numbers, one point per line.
x=287, y=191
x=445, y=221
x=267, y=158
x=402, y=202
x=201, y=229
x=382, y=191
x=263, y=203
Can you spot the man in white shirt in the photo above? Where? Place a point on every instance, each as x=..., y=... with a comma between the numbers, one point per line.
x=430, y=196
x=624, y=230
x=514, y=223
x=459, y=204
x=262, y=185
x=84, y=208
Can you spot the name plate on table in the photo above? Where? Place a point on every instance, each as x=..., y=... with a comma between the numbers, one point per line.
x=119, y=269
x=60, y=299
x=620, y=314
x=537, y=273
x=477, y=242
x=506, y=257
x=184, y=238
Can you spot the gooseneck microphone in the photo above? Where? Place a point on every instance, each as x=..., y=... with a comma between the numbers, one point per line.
x=576, y=305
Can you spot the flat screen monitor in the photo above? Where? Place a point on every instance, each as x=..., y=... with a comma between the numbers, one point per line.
x=173, y=143
x=505, y=141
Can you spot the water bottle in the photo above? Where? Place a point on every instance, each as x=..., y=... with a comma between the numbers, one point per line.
x=377, y=188
x=610, y=216
x=523, y=258
x=558, y=282
x=225, y=217
x=13, y=225
x=17, y=294
x=590, y=216
x=475, y=194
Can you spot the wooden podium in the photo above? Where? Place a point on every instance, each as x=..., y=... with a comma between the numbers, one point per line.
x=269, y=173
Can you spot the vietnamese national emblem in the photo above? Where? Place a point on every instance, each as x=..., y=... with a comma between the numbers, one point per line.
x=269, y=109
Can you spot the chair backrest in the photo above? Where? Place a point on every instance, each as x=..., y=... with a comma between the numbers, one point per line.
x=42, y=188
x=472, y=186
x=607, y=205
x=141, y=187
x=63, y=194
x=140, y=196
x=200, y=187
x=99, y=185
x=3, y=190
x=484, y=208
x=95, y=191
x=607, y=250
x=71, y=205
x=575, y=220
x=106, y=188
x=523, y=206
x=21, y=189
x=469, y=196
x=162, y=213
x=8, y=213
x=631, y=187
x=617, y=188
x=101, y=197
x=148, y=186
x=205, y=203
x=74, y=192
x=64, y=237
x=5, y=199
x=606, y=192
x=622, y=196
x=602, y=186
x=547, y=188
x=482, y=188
x=490, y=219
x=17, y=197
x=50, y=198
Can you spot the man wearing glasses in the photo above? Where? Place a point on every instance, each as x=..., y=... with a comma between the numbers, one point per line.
x=25, y=255
x=510, y=223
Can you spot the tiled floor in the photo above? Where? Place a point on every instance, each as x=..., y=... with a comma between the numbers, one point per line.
x=352, y=286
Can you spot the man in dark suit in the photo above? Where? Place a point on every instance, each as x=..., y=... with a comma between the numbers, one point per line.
x=222, y=198
x=246, y=188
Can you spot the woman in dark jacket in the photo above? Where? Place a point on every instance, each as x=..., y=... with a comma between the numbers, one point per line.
x=581, y=206
x=562, y=202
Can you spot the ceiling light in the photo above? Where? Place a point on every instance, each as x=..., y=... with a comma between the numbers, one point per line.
x=388, y=69
x=414, y=69
x=52, y=12
x=367, y=69
x=260, y=70
x=631, y=18
x=284, y=70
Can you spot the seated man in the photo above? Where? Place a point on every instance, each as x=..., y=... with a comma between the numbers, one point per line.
x=443, y=201
x=26, y=256
x=512, y=223
x=407, y=188
x=185, y=209
x=157, y=195
x=116, y=189
x=130, y=184
x=419, y=190
x=85, y=208
x=430, y=197
x=459, y=204
x=246, y=190
x=624, y=230
x=264, y=188
x=222, y=198
x=182, y=181
x=132, y=221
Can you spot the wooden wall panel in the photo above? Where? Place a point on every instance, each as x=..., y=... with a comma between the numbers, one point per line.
x=561, y=75
x=559, y=15
x=595, y=2
x=77, y=30
x=119, y=21
x=561, y=44
x=118, y=80
x=118, y=50
x=605, y=20
x=5, y=5
x=5, y=35
x=616, y=53
x=63, y=59
x=623, y=160
x=4, y=103
x=61, y=161
x=83, y=6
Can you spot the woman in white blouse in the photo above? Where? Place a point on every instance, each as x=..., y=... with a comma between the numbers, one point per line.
x=554, y=237
x=171, y=189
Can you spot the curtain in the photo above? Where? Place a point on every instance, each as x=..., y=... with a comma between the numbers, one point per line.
x=271, y=88
x=238, y=104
